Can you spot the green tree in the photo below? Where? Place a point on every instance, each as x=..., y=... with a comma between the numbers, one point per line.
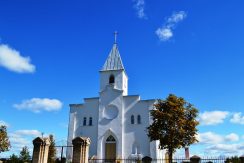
x=174, y=124
x=52, y=150
x=24, y=155
x=14, y=159
x=4, y=140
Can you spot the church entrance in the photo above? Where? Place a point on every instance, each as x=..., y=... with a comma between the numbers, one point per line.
x=110, y=148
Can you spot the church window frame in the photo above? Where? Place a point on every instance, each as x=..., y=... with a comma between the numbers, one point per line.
x=138, y=119
x=132, y=119
x=84, y=121
x=111, y=79
x=90, y=121
x=110, y=139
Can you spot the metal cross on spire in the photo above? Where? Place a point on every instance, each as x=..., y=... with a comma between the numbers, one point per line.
x=115, y=37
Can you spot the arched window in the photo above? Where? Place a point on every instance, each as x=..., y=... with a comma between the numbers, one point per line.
x=84, y=121
x=90, y=121
x=111, y=79
x=110, y=139
x=132, y=119
x=138, y=119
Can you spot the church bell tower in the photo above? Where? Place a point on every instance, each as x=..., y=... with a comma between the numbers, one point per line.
x=113, y=72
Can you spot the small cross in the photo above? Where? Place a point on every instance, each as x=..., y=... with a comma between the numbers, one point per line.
x=115, y=37
x=42, y=134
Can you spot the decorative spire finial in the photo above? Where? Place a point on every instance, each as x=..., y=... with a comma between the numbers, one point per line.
x=115, y=37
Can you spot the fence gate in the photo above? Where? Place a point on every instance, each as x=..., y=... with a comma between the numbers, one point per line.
x=62, y=153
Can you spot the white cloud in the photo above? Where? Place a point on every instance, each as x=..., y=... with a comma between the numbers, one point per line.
x=237, y=118
x=176, y=17
x=12, y=60
x=37, y=105
x=226, y=148
x=213, y=138
x=140, y=6
x=21, y=138
x=232, y=137
x=3, y=123
x=166, y=31
x=18, y=140
x=210, y=138
x=212, y=117
x=35, y=133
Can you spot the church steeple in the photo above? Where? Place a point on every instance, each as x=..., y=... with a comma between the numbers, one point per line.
x=114, y=61
x=113, y=72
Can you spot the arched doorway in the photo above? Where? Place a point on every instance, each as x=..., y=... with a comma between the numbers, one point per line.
x=110, y=148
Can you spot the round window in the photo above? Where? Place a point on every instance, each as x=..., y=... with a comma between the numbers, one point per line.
x=110, y=112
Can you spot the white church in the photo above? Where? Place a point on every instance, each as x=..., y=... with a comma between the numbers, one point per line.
x=114, y=121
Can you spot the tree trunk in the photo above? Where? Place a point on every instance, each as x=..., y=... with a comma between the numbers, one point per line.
x=170, y=155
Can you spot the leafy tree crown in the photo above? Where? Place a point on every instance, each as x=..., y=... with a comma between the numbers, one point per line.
x=174, y=123
x=4, y=140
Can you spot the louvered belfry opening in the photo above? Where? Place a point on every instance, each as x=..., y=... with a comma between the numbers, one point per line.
x=111, y=79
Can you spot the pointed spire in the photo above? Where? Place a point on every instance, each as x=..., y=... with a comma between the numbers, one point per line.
x=114, y=61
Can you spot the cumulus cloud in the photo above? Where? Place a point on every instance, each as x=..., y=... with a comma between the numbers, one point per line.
x=237, y=118
x=210, y=138
x=13, y=61
x=212, y=117
x=3, y=123
x=213, y=138
x=37, y=105
x=165, y=32
x=140, y=7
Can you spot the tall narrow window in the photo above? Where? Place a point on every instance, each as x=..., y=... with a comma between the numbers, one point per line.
x=111, y=79
x=132, y=119
x=90, y=121
x=138, y=119
x=84, y=121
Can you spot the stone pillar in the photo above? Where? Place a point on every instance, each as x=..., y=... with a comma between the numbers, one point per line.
x=40, y=151
x=45, y=150
x=195, y=159
x=242, y=158
x=81, y=149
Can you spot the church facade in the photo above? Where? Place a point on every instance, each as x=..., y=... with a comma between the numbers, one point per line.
x=114, y=121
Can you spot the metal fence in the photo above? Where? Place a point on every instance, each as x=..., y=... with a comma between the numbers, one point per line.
x=61, y=158
x=61, y=154
x=178, y=160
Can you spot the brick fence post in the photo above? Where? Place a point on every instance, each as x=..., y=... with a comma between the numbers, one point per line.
x=40, y=151
x=195, y=159
x=81, y=149
x=242, y=158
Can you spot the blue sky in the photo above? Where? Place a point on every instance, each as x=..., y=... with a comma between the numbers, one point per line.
x=51, y=52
